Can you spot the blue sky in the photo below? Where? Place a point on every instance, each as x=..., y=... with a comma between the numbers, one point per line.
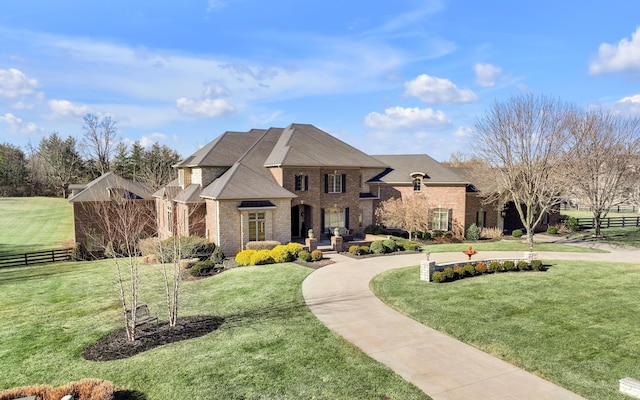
x=388, y=77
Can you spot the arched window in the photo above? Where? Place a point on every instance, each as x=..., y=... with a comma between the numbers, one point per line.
x=417, y=184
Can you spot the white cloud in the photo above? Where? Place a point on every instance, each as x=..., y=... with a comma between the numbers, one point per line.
x=434, y=90
x=14, y=83
x=615, y=58
x=399, y=118
x=628, y=105
x=204, y=108
x=22, y=106
x=65, y=108
x=487, y=74
x=463, y=131
x=147, y=141
x=16, y=125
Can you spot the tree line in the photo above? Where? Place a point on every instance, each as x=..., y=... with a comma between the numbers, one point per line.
x=48, y=168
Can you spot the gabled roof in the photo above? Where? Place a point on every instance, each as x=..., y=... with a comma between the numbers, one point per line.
x=99, y=189
x=404, y=166
x=224, y=151
x=190, y=194
x=243, y=182
x=306, y=145
x=247, y=178
x=169, y=191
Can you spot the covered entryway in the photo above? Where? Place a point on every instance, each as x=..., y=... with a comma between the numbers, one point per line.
x=301, y=220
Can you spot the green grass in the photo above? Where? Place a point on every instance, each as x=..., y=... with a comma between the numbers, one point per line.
x=507, y=245
x=577, y=324
x=616, y=236
x=34, y=223
x=271, y=346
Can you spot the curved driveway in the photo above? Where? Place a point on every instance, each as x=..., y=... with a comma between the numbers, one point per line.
x=442, y=367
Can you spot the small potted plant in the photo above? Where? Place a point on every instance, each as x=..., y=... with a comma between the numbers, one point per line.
x=310, y=233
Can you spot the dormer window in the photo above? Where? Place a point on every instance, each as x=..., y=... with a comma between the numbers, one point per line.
x=417, y=180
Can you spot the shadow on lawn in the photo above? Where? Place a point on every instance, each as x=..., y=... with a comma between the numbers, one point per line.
x=264, y=314
x=128, y=395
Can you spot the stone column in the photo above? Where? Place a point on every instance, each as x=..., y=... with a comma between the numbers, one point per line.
x=312, y=244
x=426, y=270
x=336, y=243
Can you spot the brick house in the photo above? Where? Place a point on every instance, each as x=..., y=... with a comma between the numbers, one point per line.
x=116, y=200
x=278, y=183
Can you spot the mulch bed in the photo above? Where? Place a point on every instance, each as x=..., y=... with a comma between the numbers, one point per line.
x=115, y=345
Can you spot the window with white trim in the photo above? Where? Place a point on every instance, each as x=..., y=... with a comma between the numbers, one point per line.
x=334, y=183
x=256, y=226
x=334, y=218
x=440, y=221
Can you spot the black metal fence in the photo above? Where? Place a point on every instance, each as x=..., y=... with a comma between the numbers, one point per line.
x=35, y=257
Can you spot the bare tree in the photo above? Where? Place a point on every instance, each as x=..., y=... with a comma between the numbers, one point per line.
x=603, y=159
x=411, y=213
x=118, y=225
x=100, y=141
x=522, y=139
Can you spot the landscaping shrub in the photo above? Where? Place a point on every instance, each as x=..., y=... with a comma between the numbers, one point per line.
x=536, y=265
x=353, y=249
x=378, y=247
x=282, y=253
x=572, y=224
x=294, y=248
x=473, y=232
x=202, y=268
x=523, y=265
x=436, y=234
x=149, y=246
x=186, y=264
x=261, y=245
x=481, y=268
x=304, y=255
x=448, y=235
x=495, y=266
x=95, y=389
x=458, y=272
x=426, y=235
x=517, y=233
x=217, y=256
x=448, y=273
x=316, y=255
x=552, y=230
x=469, y=270
x=80, y=253
x=437, y=277
x=509, y=266
x=244, y=257
x=389, y=245
x=411, y=246
x=170, y=249
x=490, y=233
x=363, y=250
x=261, y=257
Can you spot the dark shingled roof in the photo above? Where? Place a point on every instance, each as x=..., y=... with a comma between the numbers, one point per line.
x=306, y=145
x=247, y=178
x=190, y=194
x=403, y=166
x=224, y=151
x=99, y=189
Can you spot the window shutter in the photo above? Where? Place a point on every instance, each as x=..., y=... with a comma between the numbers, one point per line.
x=326, y=184
x=306, y=182
x=346, y=218
x=322, y=220
x=344, y=183
x=450, y=219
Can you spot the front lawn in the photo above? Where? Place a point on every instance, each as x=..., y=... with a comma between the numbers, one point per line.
x=506, y=245
x=34, y=223
x=270, y=347
x=577, y=324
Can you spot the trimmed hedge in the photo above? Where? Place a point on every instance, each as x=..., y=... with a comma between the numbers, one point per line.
x=470, y=270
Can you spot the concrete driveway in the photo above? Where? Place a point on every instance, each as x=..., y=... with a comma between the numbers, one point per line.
x=444, y=368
